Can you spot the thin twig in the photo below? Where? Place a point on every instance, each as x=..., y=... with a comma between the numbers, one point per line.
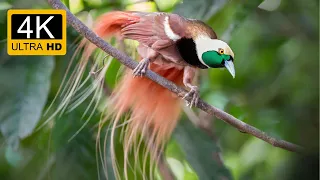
x=127, y=61
x=164, y=168
x=162, y=164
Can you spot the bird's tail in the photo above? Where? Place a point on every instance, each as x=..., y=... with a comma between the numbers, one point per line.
x=154, y=110
x=107, y=25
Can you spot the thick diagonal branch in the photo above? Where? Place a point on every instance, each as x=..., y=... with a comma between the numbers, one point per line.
x=127, y=61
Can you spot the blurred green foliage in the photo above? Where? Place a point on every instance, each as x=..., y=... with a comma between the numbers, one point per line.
x=276, y=89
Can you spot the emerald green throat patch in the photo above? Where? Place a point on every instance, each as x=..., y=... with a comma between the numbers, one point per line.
x=214, y=59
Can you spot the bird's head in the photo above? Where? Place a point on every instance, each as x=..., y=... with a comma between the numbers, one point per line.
x=215, y=53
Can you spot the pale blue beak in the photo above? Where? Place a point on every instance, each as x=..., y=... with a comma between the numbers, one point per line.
x=230, y=66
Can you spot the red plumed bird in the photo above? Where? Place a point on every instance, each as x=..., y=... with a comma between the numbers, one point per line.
x=170, y=45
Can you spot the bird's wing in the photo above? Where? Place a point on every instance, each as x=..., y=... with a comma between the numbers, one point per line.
x=156, y=30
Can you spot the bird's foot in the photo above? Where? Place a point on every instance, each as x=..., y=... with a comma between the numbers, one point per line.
x=142, y=67
x=194, y=96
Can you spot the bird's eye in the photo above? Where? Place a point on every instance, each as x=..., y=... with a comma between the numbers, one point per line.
x=221, y=51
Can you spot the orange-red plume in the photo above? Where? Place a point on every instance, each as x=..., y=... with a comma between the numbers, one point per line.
x=109, y=24
x=154, y=110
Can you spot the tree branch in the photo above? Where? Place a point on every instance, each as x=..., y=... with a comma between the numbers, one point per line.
x=127, y=61
x=164, y=168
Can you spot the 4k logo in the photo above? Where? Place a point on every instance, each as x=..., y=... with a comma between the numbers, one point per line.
x=37, y=32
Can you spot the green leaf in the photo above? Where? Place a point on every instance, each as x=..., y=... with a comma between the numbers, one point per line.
x=200, y=9
x=13, y=157
x=223, y=15
x=200, y=151
x=77, y=155
x=4, y=6
x=231, y=16
x=166, y=5
x=24, y=83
